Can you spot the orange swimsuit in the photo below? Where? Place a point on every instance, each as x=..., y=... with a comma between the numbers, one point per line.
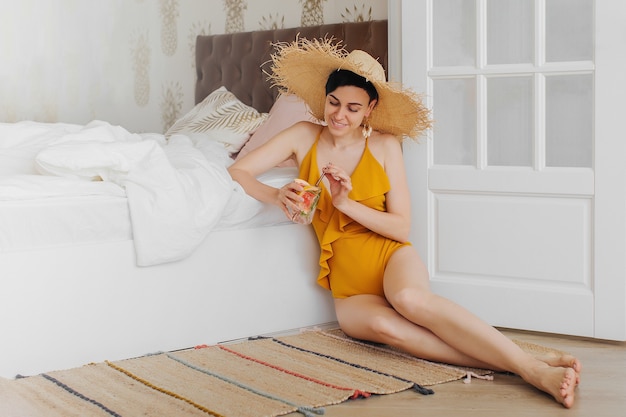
x=353, y=258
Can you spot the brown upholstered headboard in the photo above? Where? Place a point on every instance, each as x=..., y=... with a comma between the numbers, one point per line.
x=237, y=60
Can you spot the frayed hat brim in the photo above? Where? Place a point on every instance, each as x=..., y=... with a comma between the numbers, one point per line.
x=302, y=68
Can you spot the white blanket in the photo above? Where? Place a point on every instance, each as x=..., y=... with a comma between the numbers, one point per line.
x=177, y=190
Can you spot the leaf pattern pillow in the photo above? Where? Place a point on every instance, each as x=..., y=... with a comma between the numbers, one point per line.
x=220, y=117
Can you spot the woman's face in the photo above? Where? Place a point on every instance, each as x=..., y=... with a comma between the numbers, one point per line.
x=345, y=109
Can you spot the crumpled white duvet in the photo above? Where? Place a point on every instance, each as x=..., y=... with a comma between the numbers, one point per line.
x=177, y=190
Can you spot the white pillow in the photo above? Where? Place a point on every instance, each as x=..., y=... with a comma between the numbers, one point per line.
x=221, y=117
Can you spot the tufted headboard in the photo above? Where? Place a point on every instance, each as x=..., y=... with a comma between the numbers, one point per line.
x=237, y=60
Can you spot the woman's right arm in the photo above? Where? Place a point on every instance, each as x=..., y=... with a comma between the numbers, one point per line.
x=291, y=141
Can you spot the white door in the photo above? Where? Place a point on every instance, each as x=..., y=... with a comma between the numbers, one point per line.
x=519, y=191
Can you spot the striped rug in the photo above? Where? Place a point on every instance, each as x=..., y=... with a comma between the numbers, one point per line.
x=258, y=377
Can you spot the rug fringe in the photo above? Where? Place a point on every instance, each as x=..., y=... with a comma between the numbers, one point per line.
x=470, y=374
x=422, y=390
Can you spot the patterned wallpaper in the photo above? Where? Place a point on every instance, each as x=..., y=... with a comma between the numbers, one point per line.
x=130, y=62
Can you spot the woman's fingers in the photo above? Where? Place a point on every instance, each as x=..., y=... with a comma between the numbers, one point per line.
x=335, y=173
x=338, y=176
x=289, y=197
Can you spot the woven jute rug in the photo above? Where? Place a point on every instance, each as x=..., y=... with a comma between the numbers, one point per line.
x=258, y=377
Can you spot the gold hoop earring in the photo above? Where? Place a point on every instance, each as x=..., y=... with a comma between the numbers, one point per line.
x=367, y=129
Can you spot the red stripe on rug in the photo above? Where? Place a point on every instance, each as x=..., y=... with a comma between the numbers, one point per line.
x=355, y=392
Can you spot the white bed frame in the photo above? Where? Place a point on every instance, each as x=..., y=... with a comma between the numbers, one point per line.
x=69, y=306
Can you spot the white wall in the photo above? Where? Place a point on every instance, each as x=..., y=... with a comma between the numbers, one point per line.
x=129, y=62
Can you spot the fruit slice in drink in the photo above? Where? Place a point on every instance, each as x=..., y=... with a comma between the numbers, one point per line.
x=306, y=208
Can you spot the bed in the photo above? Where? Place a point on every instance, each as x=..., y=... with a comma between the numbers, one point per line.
x=84, y=277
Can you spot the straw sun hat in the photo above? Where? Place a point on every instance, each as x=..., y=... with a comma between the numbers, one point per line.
x=302, y=68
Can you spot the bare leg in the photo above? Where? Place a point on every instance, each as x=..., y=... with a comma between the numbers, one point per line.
x=370, y=317
x=432, y=322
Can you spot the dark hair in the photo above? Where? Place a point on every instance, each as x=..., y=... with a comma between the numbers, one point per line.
x=342, y=77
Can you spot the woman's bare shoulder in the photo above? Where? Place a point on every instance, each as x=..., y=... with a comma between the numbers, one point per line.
x=303, y=134
x=300, y=130
x=305, y=125
x=383, y=145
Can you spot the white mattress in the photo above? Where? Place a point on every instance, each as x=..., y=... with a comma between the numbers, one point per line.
x=59, y=214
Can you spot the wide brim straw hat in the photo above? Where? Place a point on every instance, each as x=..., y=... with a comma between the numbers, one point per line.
x=302, y=68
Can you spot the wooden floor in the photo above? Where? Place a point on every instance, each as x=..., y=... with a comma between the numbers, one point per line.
x=602, y=392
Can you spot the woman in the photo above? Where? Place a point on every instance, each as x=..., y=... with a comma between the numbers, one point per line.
x=379, y=284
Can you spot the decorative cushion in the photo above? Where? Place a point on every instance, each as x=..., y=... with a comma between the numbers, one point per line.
x=286, y=111
x=221, y=117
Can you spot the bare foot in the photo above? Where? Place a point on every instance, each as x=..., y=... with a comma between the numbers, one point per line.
x=564, y=361
x=557, y=381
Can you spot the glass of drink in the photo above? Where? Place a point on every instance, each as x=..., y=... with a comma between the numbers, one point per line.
x=306, y=208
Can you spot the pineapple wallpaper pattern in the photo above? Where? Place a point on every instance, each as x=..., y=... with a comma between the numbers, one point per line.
x=140, y=51
x=197, y=28
x=312, y=12
x=171, y=104
x=169, y=30
x=234, y=15
x=357, y=15
x=138, y=65
x=272, y=22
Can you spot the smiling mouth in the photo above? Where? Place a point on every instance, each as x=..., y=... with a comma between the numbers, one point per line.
x=338, y=124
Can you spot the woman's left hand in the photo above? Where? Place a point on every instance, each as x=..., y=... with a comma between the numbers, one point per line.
x=339, y=182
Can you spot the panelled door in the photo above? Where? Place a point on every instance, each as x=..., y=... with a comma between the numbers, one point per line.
x=519, y=191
